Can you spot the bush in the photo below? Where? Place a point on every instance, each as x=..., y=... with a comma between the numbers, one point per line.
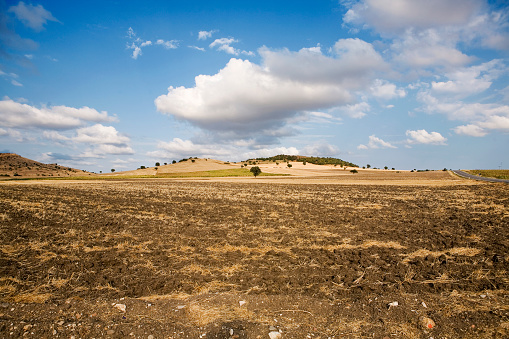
x=158, y=164
x=112, y=170
x=255, y=170
x=354, y=171
x=289, y=165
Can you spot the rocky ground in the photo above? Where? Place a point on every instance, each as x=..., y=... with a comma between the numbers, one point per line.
x=192, y=259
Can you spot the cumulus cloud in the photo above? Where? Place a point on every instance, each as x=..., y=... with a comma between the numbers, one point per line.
x=395, y=16
x=470, y=130
x=423, y=137
x=468, y=81
x=376, y=143
x=450, y=97
x=428, y=34
x=100, y=134
x=383, y=89
x=32, y=16
x=245, y=99
x=352, y=64
x=19, y=115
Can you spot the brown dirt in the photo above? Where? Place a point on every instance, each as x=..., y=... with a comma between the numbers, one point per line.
x=316, y=261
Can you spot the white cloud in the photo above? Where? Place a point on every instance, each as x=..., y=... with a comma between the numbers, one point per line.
x=396, y=16
x=100, y=134
x=15, y=83
x=172, y=44
x=355, y=111
x=423, y=137
x=471, y=130
x=385, y=90
x=197, y=48
x=428, y=49
x=135, y=43
x=244, y=95
x=223, y=44
x=204, y=35
x=54, y=135
x=18, y=115
x=32, y=16
x=464, y=82
x=245, y=99
x=354, y=61
x=376, y=143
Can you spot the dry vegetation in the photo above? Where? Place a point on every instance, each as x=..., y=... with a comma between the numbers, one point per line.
x=319, y=260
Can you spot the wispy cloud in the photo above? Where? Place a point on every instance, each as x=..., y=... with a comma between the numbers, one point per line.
x=136, y=43
x=32, y=16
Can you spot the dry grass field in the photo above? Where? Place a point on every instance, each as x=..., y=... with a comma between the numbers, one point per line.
x=378, y=254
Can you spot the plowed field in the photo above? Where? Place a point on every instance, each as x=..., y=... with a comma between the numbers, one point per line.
x=212, y=259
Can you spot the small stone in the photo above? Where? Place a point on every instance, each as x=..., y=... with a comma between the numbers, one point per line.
x=424, y=304
x=393, y=304
x=242, y=302
x=272, y=329
x=179, y=307
x=110, y=332
x=120, y=307
x=274, y=335
x=427, y=323
x=483, y=296
x=150, y=336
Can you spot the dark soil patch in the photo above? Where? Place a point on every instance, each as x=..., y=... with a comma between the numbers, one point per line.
x=221, y=260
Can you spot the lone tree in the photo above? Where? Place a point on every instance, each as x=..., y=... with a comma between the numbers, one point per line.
x=255, y=170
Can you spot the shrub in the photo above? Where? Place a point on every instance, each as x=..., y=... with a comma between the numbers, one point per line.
x=289, y=165
x=158, y=164
x=192, y=160
x=354, y=171
x=112, y=170
x=142, y=167
x=255, y=170
x=174, y=162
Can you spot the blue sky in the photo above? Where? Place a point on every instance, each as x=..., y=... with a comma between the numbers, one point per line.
x=118, y=84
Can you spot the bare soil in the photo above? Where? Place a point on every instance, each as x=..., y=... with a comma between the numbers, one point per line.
x=410, y=257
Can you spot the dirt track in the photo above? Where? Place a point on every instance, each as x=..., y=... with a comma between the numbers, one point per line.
x=311, y=260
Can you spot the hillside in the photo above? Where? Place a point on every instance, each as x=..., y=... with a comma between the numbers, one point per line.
x=190, y=165
x=15, y=166
x=306, y=159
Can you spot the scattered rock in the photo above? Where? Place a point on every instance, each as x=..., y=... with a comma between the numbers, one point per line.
x=393, y=304
x=120, y=307
x=150, y=337
x=242, y=302
x=427, y=323
x=110, y=332
x=274, y=335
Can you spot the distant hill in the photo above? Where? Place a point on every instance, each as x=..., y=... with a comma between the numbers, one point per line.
x=311, y=160
x=15, y=166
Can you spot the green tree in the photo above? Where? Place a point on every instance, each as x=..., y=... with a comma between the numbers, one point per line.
x=368, y=166
x=386, y=167
x=255, y=170
x=158, y=164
